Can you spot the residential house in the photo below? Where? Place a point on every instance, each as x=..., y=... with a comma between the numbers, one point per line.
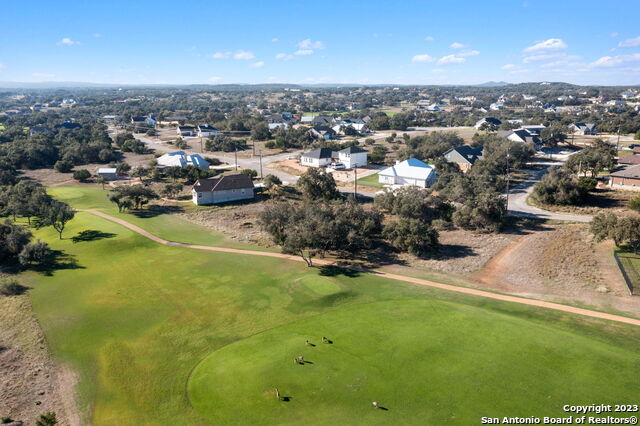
x=464, y=156
x=186, y=131
x=317, y=158
x=37, y=130
x=629, y=160
x=433, y=108
x=222, y=189
x=68, y=125
x=534, y=129
x=182, y=159
x=322, y=132
x=204, y=131
x=524, y=136
x=628, y=178
x=274, y=126
x=109, y=173
x=306, y=119
x=172, y=120
x=496, y=106
x=322, y=120
x=408, y=172
x=494, y=122
x=352, y=157
x=583, y=129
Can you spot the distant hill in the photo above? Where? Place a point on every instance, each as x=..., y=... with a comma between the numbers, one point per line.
x=493, y=84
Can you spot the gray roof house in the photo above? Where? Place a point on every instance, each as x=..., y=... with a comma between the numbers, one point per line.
x=583, y=129
x=222, y=189
x=464, y=156
x=317, y=158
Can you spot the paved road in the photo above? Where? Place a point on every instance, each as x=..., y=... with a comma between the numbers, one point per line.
x=448, y=287
x=518, y=202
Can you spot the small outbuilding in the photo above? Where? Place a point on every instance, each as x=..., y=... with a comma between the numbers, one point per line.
x=109, y=173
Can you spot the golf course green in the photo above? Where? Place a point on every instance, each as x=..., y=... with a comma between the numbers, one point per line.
x=170, y=335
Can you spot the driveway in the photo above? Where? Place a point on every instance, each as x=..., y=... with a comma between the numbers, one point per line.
x=518, y=202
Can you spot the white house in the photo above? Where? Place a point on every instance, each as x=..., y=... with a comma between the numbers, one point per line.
x=109, y=173
x=222, y=189
x=353, y=156
x=496, y=106
x=583, y=129
x=317, y=158
x=408, y=172
x=181, y=159
x=186, y=131
x=204, y=131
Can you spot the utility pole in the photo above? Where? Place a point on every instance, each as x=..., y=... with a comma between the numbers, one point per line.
x=507, y=179
x=355, y=182
x=260, y=151
x=235, y=153
x=618, y=141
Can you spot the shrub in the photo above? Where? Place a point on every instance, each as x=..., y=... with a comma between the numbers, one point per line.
x=82, y=174
x=11, y=287
x=63, y=166
x=588, y=183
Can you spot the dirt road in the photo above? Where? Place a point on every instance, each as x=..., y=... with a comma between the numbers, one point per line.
x=448, y=287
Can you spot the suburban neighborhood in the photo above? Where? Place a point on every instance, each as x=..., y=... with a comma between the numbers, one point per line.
x=224, y=214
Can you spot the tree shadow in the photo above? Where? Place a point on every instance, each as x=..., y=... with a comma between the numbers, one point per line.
x=333, y=270
x=91, y=235
x=156, y=210
x=58, y=261
x=450, y=251
x=523, y=225
x=16, y=289
x=286, y=398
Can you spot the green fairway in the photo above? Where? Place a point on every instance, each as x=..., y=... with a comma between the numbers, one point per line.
x=167, y=226
x=371, y=180
x=135, y=319
x=426, y=362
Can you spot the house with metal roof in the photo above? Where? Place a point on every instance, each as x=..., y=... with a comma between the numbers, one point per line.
x=182, y=159
x=411, y=172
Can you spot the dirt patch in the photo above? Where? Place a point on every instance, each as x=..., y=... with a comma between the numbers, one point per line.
x=560, y=262
x=461, y=252
x=238, y=222
x=30, y=383
x=291, y=167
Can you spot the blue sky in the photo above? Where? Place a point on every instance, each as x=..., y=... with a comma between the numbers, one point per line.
x=408, y=42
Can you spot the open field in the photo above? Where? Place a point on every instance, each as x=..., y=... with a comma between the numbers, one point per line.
x=135, y=318
x=371, y=180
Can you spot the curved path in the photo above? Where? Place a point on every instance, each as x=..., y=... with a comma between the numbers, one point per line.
x=518, y=202
x=464, y=290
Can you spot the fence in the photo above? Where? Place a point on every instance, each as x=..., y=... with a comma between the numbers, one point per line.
x=628, y=270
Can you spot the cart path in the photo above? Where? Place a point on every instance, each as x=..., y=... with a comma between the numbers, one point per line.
x=420, y=281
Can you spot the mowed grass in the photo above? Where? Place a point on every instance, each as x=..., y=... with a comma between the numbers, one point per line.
x=167, y=226
x=135, y=319
x=425, y=362
x=371, y=180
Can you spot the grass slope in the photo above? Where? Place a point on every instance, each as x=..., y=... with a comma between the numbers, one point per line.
x=134, y=318
x=371, y=180
x=167, y=226
x=426, y=362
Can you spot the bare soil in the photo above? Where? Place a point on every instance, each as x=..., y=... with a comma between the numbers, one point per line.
x=560, y=262
x=30, y=383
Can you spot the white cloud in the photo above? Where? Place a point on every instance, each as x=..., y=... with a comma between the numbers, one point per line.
x=457, y=45
x=508, y=66
x=468, y=53
x=310, y=44
x=243, y=55
x=422, y=58
x=43, y=75
x=614, y=61
x=221, y=55
x=438, y=70
x=613, y=35
x=2, y=66
x=214, y=79
x=258, y=64
x=550, y=44
x=97, y=35
x=67, y=42
x=303, y=52
x=274, y=40
x=429, y=38
x=284, y=57
x=451, y=59
x=632, y=42
x=541, y=57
